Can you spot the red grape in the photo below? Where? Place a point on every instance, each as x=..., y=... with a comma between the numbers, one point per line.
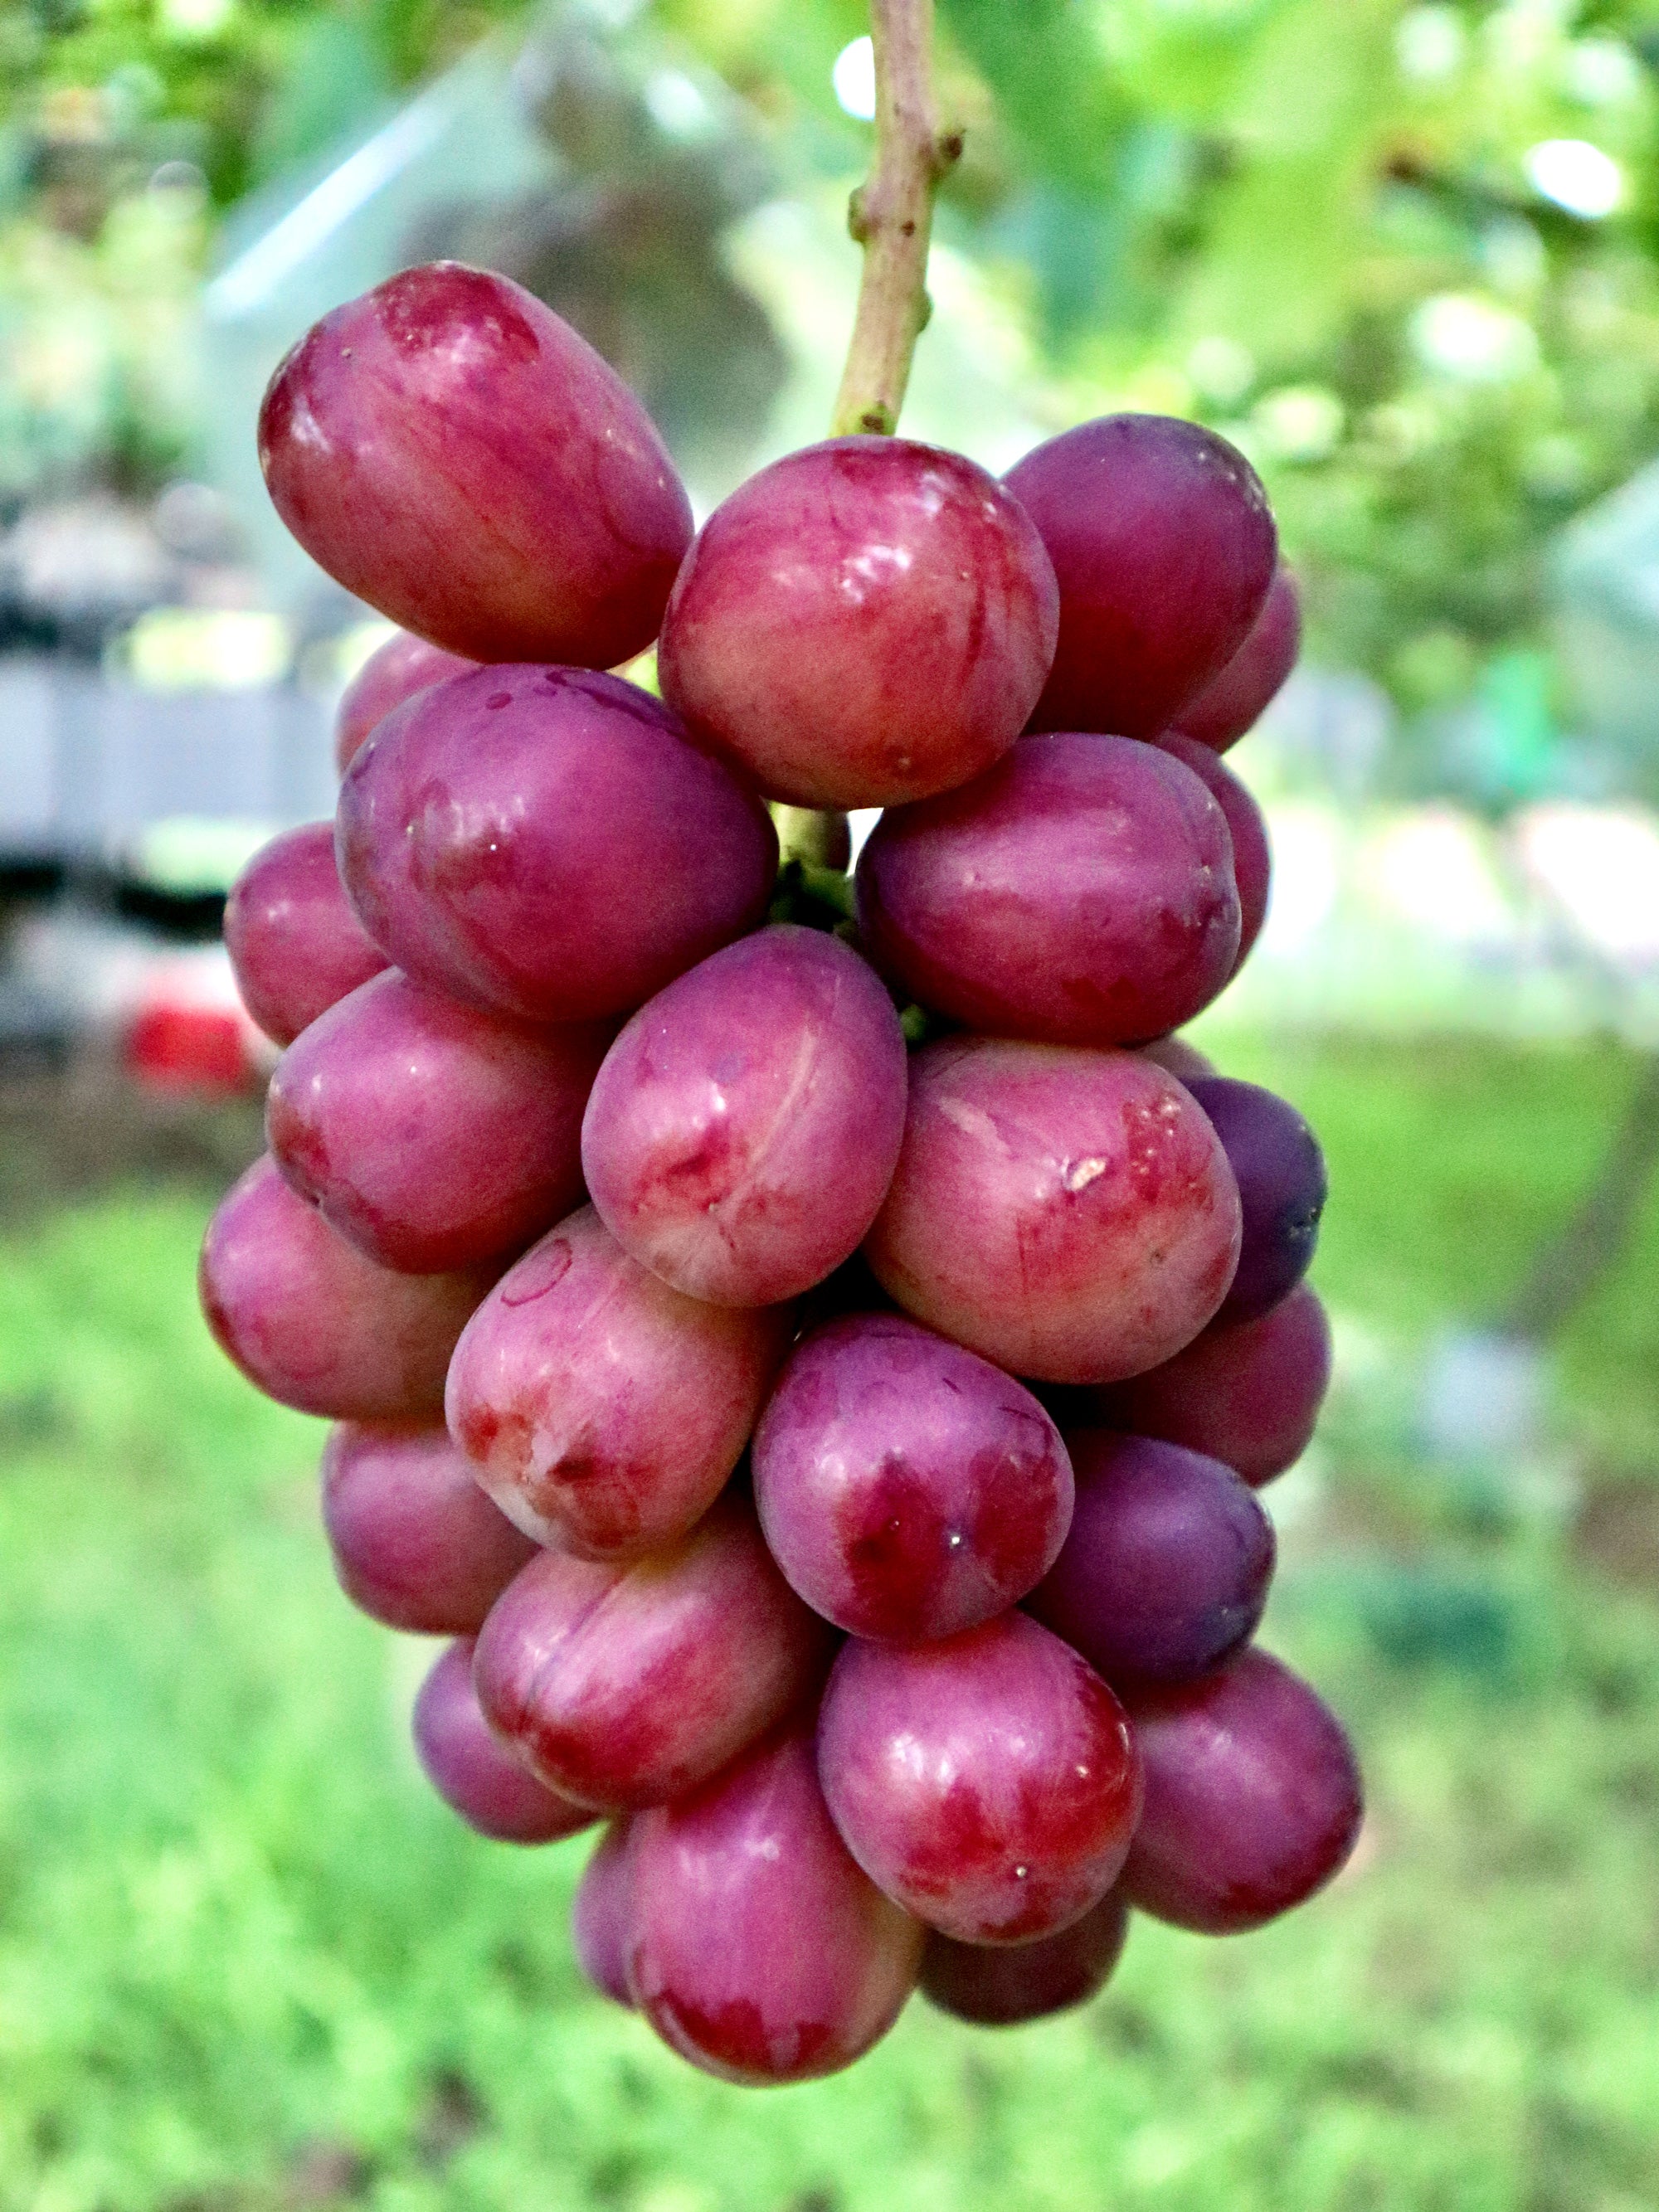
x=548, y=843
x=1166, y=1568
x=431, y=1135
x=907, y=1488
x=294, y=943
x=1252, y=854
x=989, y=1784
x=1068, y=1213
x=316, y=1325
x=1080, y=892
x=1248, y=1393
x=604, y=1412
x=394, y=672
x=1280, y=1173
x=417, y=1544
x=1163, y=545
x=1233, y=702
x=1004, y=1984
x=471, y=1772
x=452, y=452
x=744, y=1128
x=759, y=1951
x=864, y=622
x=1253, y=1798
x=602, y=1913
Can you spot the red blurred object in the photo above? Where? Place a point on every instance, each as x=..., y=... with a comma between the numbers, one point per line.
x=175, y=1045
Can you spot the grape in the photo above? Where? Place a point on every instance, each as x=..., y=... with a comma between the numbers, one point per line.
x=1166, y=1571
x=864, y=622
x=1163, y=545
x=314, y=1323
x=1280, y=1173
x=989, y=1783
x=452, y=452
x=1081, y=892
x=1004, y=1984
x=1252, y=855
x=1178, y=1058
x=295, y=946
x=759, y=1950
x=744, y=1128
x=907, y=1488
x=1248, y=1393
x=602, y=1913
x=470, y=1771
x=417, y=1544
x=393, y=672
x=625, y=1686
x=1235, y=700
x=1253, y=1798
x=603, y=1411
x=1068, y=1213
x=429, y=1134
x=548, y=843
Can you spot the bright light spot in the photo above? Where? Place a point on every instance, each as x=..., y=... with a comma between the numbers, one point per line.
x=854, y=78
x=1428, y=44
x=1432, y=868
x=1602, y=72
x=676, y=104
x=1473, y=338
x=1301, y=422
x=195, y=19
x=1599, y=867
x=1221, y=369
x=1577, y=176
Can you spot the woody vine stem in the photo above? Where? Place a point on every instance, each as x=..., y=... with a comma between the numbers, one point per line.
x=891, y=216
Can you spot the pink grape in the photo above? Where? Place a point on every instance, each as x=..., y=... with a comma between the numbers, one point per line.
x=602, y=1914
x=315, y=1325
x=417, y=1544
x=1068, y=1213
x=394, y=672
x=759, y=1950
x=1163, y=545
x=1080, y=892
x=1233, y=702
x=989, y=1782
x=429, y=1134
x=1252, y=854
x=548, y=843
x=1280, y=1173
x=1253, y=1798
x=471, y=1772
x=745, y=1125
x=1248, y=1393
x=907, y=1488
x=295, y=945
x=452, y=453
x=862, y=622
x=1165, y=1571
x=623, y=1686
x=603, y=1412
x=1004, y=1984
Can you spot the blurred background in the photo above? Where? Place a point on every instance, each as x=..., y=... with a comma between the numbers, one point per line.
x=1408, y=257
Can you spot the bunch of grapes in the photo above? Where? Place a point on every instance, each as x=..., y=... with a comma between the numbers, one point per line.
x=812, y=1343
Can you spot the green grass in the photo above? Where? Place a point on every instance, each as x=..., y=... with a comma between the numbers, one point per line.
x=247, y=1964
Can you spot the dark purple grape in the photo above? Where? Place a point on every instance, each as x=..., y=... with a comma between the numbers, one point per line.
x=432, y=1135
x=745, y=1125
x=1252, y=854
x=907, y=1488
x=548, y=843
x=417, y=1544
x=1177, y=1058
x=1166, y=1568
x=759, y=1950
x=989, y=1784
x=862, y=622
x=452, y=452
x=394, y=672
x=295, y=945
x=1080, y=892
x=1280, y=1173
x=1253, y=1798
x=602, y=1914
x=472, y=1773
x=1234, y=701
x=1163, y=544
x=623, y=1686
x=1006, y=1985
